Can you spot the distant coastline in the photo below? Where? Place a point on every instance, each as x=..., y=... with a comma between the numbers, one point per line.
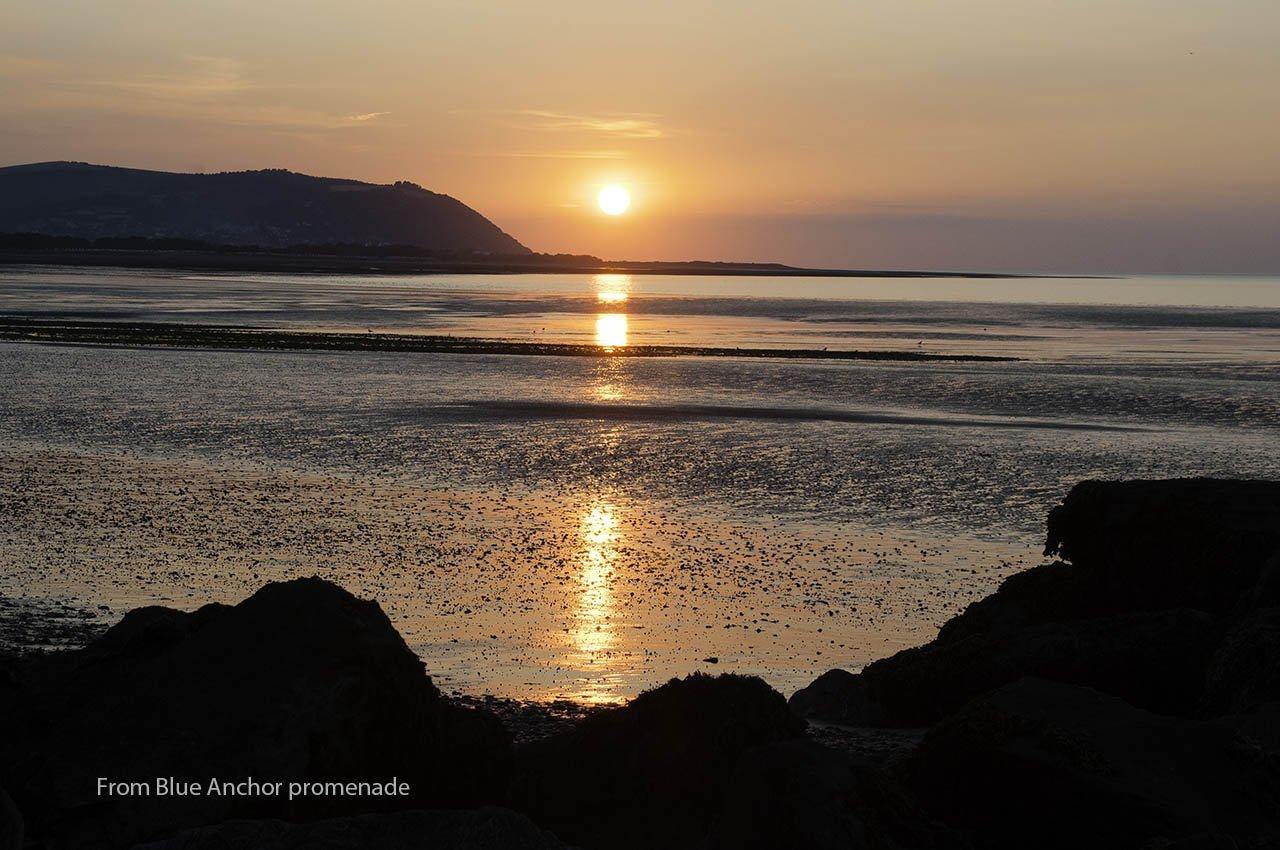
x=274, y=220
x=294, y=262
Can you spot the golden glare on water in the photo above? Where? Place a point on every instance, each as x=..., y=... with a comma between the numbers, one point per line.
x=613, y=200
x=593, y=627
x=600, y=525
x=612, y=288
x=611, y=330
x=610, y=383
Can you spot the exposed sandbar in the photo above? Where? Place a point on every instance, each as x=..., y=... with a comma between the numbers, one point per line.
x=212, y=336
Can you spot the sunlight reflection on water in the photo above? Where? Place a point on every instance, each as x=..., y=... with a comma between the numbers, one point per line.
x=593, y=636
x=611, y=330
x=612, y=288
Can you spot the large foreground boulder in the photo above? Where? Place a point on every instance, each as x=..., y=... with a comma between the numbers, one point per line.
x=651, y=773
x=477, y=829
x=300, y=682
x=1187, y=542
x=1159, y=572
x=1043, y=764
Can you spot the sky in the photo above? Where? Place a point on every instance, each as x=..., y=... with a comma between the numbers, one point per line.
x=1003, y=135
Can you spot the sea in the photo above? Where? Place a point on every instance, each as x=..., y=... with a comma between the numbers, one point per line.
x=550, y=527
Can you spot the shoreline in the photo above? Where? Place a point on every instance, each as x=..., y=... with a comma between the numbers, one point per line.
x=454, y=571
x=166, y=335
x=35, y=628
x=1128, y=671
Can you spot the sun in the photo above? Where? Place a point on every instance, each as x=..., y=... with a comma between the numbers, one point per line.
x=613, y=200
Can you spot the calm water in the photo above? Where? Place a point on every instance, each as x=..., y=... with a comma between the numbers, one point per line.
x=1122, y=378
x=1164, y=319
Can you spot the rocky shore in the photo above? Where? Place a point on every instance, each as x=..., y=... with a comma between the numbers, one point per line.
x=1126, y=695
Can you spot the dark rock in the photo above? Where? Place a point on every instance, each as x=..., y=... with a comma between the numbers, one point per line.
x=1260, y=727
x=801, y=794
x=1188, y=542
x=791, y=794
x=478, y=829
x=10, y=823
x=302, y=681
x=1153, y=659
x=1245, y=673
x=880, y=746
x=1049, y=593
x=651, y=773
x=1077, y=768
x=837, y=696
x=1158, y=568
x=1267, y=592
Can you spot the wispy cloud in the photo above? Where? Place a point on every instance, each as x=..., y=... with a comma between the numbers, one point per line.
x=15, y=67
x=210, y=89
x=285, y=117
x=624, y=125
x=557, y=154
x=203, y=77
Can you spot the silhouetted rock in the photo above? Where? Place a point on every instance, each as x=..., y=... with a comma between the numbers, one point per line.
x=1043, y=764
x=801, y=794
x=1153, y=659
x=10, y=823
x=651, y=773
x=302, y=681
x=837, y=696
x=274, y=208
x=473, y=829
x=791, y=794
x=1158, y=571
x=1245, y=672
x=1188, y=542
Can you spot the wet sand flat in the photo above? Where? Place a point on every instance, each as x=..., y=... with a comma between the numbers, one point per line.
x=585, y=596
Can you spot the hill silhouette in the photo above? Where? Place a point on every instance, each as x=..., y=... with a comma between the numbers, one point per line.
x=270, y=208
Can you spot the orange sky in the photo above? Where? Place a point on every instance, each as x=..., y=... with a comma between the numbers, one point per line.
x=898, y=132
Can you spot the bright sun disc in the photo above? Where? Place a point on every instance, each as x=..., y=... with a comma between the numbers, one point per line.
x=613, y=200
